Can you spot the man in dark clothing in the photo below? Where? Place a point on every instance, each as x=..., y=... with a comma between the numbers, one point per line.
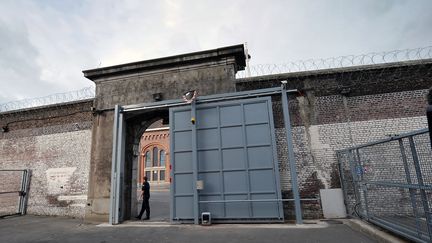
x=145, y=195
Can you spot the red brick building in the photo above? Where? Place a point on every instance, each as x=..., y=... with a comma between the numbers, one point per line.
x=154, y=159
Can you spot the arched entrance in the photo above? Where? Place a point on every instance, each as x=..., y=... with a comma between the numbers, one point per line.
x=154, y=163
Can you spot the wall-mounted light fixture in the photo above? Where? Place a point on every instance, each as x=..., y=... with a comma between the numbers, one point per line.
x=190, y=96
x=5, y=128
x=157, y=96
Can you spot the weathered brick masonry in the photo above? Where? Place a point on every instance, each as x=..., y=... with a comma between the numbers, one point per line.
x=335, y=109
x=54, y=142
x=341, y=108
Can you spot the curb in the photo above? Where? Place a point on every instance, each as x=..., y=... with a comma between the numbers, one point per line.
x=162, y=224
x=372, y=231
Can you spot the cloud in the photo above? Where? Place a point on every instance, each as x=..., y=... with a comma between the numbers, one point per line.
x=18, y=62
x=44, y=45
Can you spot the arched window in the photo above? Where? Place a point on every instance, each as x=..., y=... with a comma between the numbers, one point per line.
x=155, y=156
x=162, y=158
x=147, y=159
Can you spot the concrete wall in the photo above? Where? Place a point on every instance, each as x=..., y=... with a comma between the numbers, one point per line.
x=207, y=78
x=54, y=143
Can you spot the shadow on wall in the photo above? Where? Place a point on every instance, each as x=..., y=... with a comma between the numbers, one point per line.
x=311, y=209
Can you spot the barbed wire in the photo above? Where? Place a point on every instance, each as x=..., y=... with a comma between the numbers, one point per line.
x=255, y=70
x=338, y=62
x=76, y=95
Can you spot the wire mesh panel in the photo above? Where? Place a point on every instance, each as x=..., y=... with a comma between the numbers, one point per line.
x=389, y=183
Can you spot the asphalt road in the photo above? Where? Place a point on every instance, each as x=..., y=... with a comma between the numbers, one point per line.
x=57, y=229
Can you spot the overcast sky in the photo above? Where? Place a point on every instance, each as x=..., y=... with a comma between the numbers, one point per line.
x=45, y=44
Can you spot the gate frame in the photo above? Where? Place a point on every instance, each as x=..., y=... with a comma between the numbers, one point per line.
x=360, y=185
x=119, y=138
x=22, y=193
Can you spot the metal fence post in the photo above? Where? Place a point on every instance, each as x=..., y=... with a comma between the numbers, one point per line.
x=411, y=191
x=21, y=193
x=26, y=186
x=291, y=157
x=421, y=184
x=194, y=163
x=429, y=117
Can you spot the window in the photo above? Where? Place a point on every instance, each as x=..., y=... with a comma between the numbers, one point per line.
x=155, y=162
x=162, y=175
x=155, y=156
x=147, y=159
x=155, y=175
x=162, y=158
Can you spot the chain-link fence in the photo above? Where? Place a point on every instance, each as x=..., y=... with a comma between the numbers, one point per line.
x=389, y=183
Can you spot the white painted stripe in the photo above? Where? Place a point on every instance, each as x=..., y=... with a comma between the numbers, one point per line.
x=157, y=129
x=74, y=197
x=81, y=205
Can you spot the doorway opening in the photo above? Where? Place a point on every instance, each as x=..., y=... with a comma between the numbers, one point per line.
x=135, y=148
x=154, y=163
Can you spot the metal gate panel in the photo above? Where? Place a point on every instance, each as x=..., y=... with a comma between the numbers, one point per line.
x=117, y=211
x=14, y=192
x=181, y=172
x=237, y=162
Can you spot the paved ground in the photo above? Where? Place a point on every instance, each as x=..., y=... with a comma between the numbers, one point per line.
x=159, y=206
x=56, y=229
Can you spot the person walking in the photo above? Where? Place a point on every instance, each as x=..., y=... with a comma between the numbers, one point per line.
x=145, y=195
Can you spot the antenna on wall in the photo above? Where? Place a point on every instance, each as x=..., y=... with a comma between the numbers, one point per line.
x=248, y=73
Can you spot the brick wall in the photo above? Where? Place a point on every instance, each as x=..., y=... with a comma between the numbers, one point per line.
x=159, y=138
x=54, y=143
x=336, y=109
x=339, y=108
x=315, y=147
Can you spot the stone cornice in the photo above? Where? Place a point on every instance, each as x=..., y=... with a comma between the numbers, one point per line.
x=202, y=57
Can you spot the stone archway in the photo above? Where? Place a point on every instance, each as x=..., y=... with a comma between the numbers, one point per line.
x=136, y=125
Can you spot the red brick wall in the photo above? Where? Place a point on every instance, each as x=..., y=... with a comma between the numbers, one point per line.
x=151, y=138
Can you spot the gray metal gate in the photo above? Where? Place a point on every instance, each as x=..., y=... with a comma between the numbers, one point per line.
x=389, y=183
x=255, y=197
x=14, y=188
x=226, y=162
